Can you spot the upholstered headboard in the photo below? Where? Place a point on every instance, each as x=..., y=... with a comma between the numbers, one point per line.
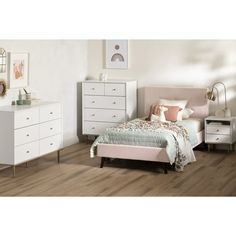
x=195, y=96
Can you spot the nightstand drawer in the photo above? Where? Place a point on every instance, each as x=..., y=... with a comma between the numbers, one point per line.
x=26, y=135
x=213, y=138
x=94, y=128
x=218, y=129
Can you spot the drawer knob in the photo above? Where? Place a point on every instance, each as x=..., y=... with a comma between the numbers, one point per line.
x=93, y=127
x=51, y=144
x=51, y=128
x=217, y=130
x=93, y=114
x=93, y=88
x=27, y=118
x=114, y=103
x=93, y=101
x=114, y=116
x=27, y=151
x=217, y=138
x=113, y=89
x=27, y=135
x=51, y=113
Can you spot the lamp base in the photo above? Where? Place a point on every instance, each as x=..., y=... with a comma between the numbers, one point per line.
x=223, y=112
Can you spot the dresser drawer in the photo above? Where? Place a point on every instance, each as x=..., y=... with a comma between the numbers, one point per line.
x=96, y=128
x=214, y=138
x=26, y=135
x=50, y=112
x=115, y=89
x=26, y=117
x=50, y=128
x=104, y=115
x=26, y=152
x=93, y=88
x=104, y=102
x=218, y=129
x=50, y=144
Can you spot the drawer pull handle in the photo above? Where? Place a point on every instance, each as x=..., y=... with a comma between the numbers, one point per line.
x=93, y=88
x=51, y=128
x=27, y=135
x=27, y=151
x=51, y=113
x=93, y=101
x=27, y=118
x=114, y=103
x=93, y=127
x=93, y=114
x=114, y=116
x=217, y=130
x=113, y=89
x=51, y=144
x=217, y=138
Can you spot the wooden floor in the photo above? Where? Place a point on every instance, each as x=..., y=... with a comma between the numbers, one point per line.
x=214, y=174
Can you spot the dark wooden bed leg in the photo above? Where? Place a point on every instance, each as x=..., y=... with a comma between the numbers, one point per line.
x=102, y=161
x=165, y=168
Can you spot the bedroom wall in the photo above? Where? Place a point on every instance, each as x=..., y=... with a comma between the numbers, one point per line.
x=189, y=63
x=55, y=68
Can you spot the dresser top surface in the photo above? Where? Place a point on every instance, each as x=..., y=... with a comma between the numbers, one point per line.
x=116, y=81
x=14, y=108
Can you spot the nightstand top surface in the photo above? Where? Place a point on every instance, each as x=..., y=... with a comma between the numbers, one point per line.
x=220, y=118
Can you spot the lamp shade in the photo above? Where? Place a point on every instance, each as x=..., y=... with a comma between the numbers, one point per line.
x=211, y=95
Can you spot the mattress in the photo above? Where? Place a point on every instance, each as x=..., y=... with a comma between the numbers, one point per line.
x=196, y=124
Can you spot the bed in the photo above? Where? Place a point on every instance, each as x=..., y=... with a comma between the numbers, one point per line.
x=150, y=95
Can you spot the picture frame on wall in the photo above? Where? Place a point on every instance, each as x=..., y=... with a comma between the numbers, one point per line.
x=117, y=54
x=18, y=70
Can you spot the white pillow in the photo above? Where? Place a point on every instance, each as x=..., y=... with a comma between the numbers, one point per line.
x=180, y=103
x=187, y=112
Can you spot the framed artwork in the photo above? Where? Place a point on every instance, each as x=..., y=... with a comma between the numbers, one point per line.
x=18, y=70
x=117, y=54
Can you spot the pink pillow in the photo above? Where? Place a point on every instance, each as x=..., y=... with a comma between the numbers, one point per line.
x=171, y=114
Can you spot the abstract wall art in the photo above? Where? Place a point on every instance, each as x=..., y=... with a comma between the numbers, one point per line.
x=117, y=54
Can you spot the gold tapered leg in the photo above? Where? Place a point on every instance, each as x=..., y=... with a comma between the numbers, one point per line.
x=58, y=156
x=26, y=164
x=14, y=170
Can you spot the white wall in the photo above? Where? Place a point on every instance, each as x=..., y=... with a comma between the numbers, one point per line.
x=189, y=63
x=55, y=68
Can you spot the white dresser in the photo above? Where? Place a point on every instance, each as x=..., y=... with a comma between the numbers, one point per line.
x=28, y=132
x=106, y=104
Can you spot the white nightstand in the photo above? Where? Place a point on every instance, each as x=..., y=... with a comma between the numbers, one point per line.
x=220, y=130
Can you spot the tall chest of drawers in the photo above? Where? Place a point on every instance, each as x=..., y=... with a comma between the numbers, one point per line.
x=28, y=132
x=106, y=104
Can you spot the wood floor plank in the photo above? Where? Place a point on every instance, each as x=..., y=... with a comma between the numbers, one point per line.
x=213, y=174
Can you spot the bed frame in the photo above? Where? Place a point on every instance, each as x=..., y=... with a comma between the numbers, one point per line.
x=150, y=95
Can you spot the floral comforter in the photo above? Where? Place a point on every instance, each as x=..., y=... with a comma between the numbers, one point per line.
x=172, y=136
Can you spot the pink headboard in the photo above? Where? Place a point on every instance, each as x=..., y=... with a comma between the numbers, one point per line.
x=195, y=96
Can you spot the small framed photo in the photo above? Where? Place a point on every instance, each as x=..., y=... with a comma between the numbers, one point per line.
x=18, y=70
x=117, y=54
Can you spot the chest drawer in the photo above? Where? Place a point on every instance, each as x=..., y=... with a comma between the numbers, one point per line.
x=50, y=144
x=50, y=128
x=50, y=112
x=115, y=89
x=104, y=102
x=104, y=115
x=93, y=88
x=26, y=135
x=95, y=128
x=26, y=117
x=26, y=152
x=214, y=138
x=224, y=129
